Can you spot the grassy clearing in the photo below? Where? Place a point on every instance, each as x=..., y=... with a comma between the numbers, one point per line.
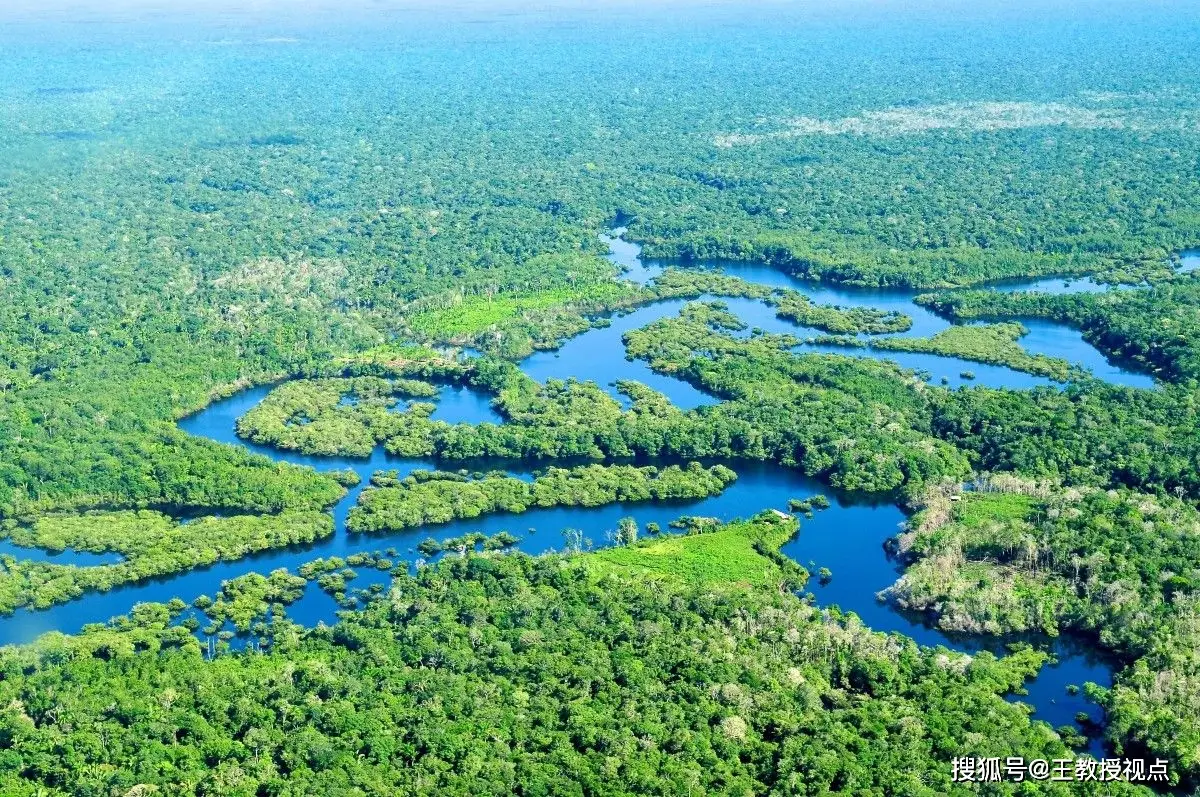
x=471, y=315
x=978, y=508
x=735, y=554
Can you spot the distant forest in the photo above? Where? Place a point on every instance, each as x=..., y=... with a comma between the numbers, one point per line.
x=344, y=204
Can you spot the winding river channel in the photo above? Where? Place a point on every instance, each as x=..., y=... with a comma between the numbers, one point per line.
x=848, y=538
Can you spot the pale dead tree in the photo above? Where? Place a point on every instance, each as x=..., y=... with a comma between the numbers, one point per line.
x=1076, y=567
x=572, y=540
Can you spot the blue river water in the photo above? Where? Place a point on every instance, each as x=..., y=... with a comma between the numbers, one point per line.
x=64, y=557
x=1043, y=337
x=1189, y=261
x=848, y=538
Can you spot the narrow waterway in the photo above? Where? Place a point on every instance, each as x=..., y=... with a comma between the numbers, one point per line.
x=1043, y=337
x=848, y=538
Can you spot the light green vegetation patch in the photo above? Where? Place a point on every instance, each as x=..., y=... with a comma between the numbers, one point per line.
x=150, y=543
x=975, y=510
x=741, y=554
x=995, y=344
x=469, y=316
x=433, y=497
x=513, y=320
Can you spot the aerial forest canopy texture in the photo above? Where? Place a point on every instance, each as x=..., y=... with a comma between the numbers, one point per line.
x=737, y=399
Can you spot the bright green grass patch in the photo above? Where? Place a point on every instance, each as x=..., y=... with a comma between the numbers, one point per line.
x=986, y=524
x=975, y=509
x=734, y=554
x=474, y=314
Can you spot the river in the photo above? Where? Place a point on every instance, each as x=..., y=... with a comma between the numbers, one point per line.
x=847, y=538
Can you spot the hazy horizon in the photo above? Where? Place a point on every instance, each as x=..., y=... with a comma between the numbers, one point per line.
x=296, y=11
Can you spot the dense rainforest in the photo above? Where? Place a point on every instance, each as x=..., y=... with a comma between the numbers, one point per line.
x=1024, y=555
x=628, y=671
x=366, y=207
